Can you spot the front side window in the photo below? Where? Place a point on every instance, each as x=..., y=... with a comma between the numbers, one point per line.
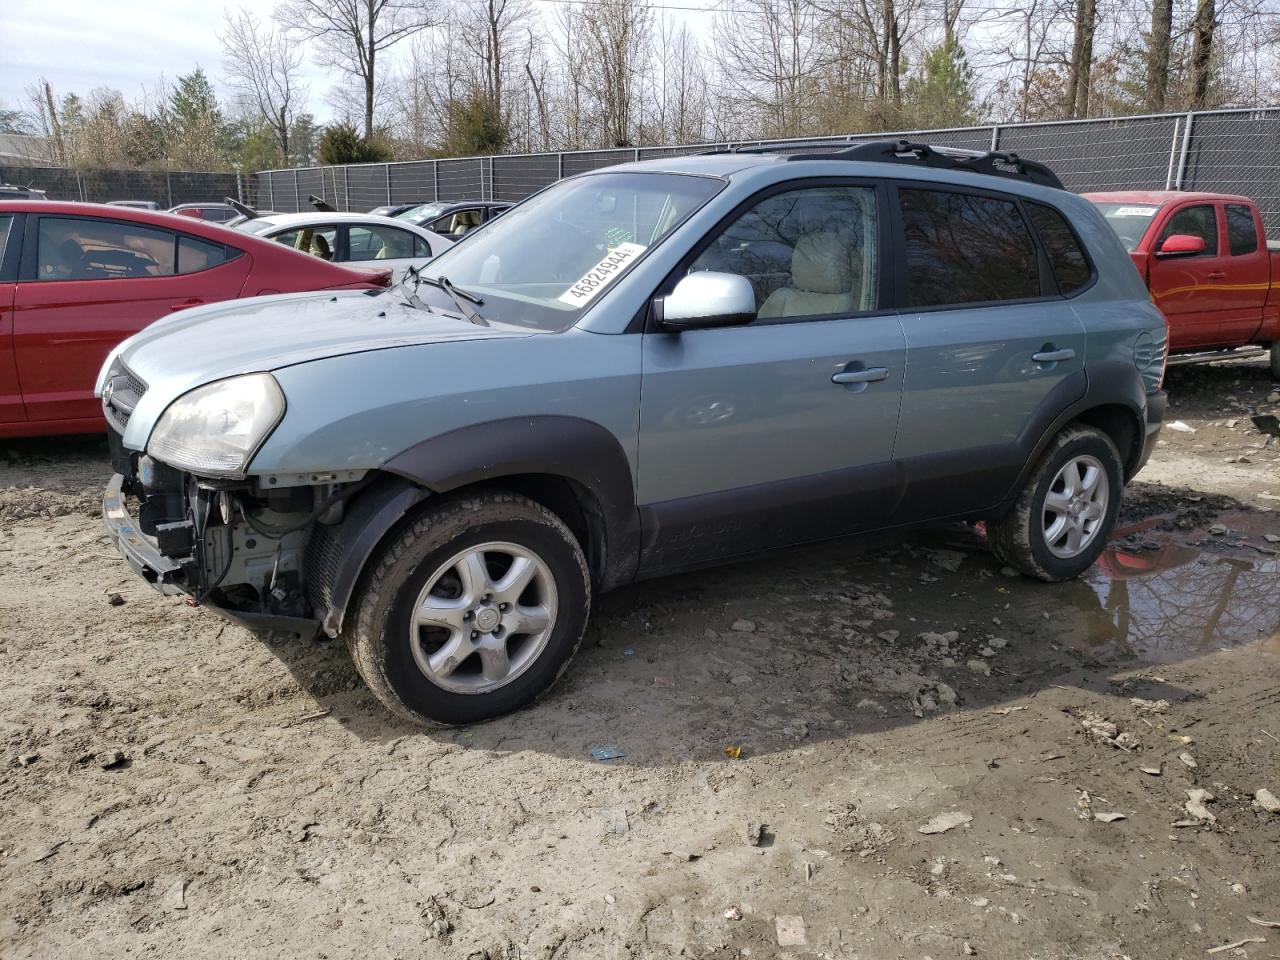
x=1198, y=221
x=379, y=243
x=1242, y=233
x=1070, y=266
x=810, y=252
x=549, y=258
x=963, y=248
x=74, y=249
x=458, y=223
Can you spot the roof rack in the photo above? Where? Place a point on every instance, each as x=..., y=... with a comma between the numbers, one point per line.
x=991, y=163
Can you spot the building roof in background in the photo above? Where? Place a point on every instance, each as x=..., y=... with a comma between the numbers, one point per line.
x=20, y=149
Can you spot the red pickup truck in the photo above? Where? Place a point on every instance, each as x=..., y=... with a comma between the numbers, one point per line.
x=1206, y=260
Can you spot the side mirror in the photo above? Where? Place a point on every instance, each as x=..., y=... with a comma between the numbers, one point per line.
x=1181, y=245
x=706, y=299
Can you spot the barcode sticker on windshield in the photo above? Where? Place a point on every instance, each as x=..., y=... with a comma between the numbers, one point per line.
x=1135, y=212
x=601, y=275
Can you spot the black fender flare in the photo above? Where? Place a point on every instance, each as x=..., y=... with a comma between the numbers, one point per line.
x=1112, y=383
x=564, y=447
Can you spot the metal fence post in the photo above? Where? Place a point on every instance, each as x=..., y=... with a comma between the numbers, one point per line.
x=297, y=199
x=1186, y=147
x=346, y=187
x=560, y=165
x=1173, y=152
x=168, y=188
x=995, y=137
x=386, y=171
x=435, y=179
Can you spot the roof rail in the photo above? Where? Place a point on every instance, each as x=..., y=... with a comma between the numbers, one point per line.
x=992, y=163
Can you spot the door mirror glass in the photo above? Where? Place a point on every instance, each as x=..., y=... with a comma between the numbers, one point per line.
x=1182, y=245
x=707, y=299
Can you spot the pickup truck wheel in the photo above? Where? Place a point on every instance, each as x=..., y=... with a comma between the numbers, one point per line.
x=473, y=610
x=1067, y=509
x=1275, y=360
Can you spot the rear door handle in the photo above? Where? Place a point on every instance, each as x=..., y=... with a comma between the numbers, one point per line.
x=1053, y=356
x=193, y=302
x=870, y=375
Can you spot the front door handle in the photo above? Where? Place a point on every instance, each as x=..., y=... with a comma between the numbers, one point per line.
x=1217, y=275
x=1053, y=356
x=870, y=375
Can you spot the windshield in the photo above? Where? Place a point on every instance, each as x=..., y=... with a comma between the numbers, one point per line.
x=542, y=262
x=1129, y=220
x=421, y=213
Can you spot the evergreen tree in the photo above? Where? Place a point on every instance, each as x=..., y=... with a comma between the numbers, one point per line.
x=941, y=94
x=340, y=143
x=197, y=131
x=475, y=128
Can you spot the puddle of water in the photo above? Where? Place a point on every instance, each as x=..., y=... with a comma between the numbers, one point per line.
x=1191, y=593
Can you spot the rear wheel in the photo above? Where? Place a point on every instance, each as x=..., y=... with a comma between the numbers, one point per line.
x=1275, y=360
x=474, y=610
x=1067, y=509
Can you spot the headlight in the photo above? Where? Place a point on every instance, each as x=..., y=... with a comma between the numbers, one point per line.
x=215, y=430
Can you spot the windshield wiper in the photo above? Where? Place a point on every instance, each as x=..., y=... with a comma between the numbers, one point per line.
x=461, y=298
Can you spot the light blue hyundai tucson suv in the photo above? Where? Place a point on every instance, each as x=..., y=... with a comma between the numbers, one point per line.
x=639, y=371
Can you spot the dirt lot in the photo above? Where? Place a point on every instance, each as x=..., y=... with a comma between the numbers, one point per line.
x=937, y=759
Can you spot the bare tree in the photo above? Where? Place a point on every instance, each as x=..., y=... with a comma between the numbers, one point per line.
x=1080, y=69
x=1201, y=52
x=350, y=34
x=618, y=34
x=770, y=62
x=1158, y=49
x=264, y=68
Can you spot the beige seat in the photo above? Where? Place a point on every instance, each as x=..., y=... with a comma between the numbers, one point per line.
x=824, y=279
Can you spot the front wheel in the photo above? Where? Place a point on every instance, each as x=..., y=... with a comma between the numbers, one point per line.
x=1067, y=509
x=1275, y=360
x=473, y=610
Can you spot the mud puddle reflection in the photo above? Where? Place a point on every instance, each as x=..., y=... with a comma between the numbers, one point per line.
x=1162, y=596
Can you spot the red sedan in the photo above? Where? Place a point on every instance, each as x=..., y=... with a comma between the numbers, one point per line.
x=77, y=278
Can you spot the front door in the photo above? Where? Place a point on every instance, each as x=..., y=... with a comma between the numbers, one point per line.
x=746, y=441
x=994, y=348
x=377, y=245
x=1190, y=290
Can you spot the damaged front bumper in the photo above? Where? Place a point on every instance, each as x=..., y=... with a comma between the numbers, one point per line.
x=173, y=578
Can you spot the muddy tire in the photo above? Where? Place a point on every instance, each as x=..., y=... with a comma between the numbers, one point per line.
x=474, y=609
x=1066, y=510
x=1275, y=360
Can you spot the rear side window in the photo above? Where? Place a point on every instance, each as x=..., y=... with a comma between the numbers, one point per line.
x=379, y=243
x=5, y=221
x=962, y=248
x=73, y=249
x=1198, y=221
x=1070, y=266
x=196, y=255
x=1242, y=233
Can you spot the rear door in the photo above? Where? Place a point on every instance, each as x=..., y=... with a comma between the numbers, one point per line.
x=380, y=245
x=86, y=283
x=994, y=348
x=1246, y=271
x=1190, y=290
x=10, y=249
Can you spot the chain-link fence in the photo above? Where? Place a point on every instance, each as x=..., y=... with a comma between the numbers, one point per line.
x=1234, y=151
x=165, y=187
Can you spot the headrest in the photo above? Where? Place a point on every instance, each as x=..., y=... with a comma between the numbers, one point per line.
x=821, y=263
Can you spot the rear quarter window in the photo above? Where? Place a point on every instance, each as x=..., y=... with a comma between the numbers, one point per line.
x=1066, y=256
x=965, y=248
x=1242, y=233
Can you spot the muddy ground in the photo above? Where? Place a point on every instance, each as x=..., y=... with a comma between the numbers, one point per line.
x=173, y=786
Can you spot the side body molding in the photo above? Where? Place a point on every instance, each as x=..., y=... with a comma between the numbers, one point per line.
x=563, y=447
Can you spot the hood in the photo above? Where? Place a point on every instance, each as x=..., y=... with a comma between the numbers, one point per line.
x=262, y=334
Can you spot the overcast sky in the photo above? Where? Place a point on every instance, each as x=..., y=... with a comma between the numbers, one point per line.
x=124, y=44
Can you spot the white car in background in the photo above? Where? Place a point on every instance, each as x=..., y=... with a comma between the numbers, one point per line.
x=352, y=238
